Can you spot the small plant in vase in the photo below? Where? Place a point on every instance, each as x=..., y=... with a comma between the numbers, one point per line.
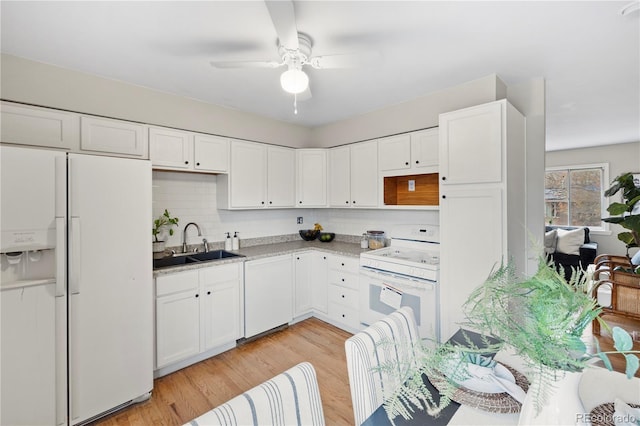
x=163, y=221
x=626, y=213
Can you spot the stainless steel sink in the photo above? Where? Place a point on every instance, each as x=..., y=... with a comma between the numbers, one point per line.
x=187, y=258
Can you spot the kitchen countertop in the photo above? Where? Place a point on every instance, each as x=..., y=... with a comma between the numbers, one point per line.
x=269, y=250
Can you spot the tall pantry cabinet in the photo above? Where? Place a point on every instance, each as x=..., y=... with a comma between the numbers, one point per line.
x=483, y=189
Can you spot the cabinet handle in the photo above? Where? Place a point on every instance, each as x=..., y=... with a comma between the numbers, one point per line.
x=324, y=257
x=186, y=162
x=342, y=315
x=444, y=178
x=197, y=295
x=343, y=296
x=444, y=196
x=297, y=258
x=346, y=202
x=270, y=202
x=299, y=202
x=417, y=161
x=262, y=202
x=197, y=164
x=354, y=201
x=208, y=292
x=406, y=163
x=343, y=264
x=342, y=279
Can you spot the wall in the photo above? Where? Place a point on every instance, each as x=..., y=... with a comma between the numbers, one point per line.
x=41, y=84
x=416, y=114
x=192, y=198
x=621, y=158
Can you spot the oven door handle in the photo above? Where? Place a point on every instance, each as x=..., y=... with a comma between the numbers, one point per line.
x=398, y=281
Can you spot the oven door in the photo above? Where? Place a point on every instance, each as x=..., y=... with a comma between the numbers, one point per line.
x=382, y=293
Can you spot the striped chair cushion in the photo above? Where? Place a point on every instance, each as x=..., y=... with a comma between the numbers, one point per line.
x=390, y=340
x=290, y=398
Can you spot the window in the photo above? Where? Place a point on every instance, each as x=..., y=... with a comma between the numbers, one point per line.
x=574, y=195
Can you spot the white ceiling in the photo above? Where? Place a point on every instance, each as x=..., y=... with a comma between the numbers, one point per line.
x=587, y=52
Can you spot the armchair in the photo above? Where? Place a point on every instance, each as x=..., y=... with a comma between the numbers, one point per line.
x=566, y=247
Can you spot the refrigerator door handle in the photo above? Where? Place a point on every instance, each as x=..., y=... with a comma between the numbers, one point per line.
x=60, y=256
x=74, y=259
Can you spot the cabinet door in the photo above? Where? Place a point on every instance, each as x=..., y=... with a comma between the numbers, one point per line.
x=424, y=148
x=311, y=166
x=364, y=174
x=177, y=327
x=304, y=280
x=473, y=243
x=171, y=149
x=394, y=152
x=211, y=153
x=320, y=281
x=113, y=136
x=471, y=142
x=248, y=174
x=268, y=290
x=220, y=305
x=281, y=182
x=340, y=177
x=39, y=126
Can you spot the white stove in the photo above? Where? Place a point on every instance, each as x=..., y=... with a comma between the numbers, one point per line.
x=414, y=252
x=403, y=274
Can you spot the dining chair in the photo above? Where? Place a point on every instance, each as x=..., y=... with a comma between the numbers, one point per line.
x=391, y=340
x=290, y=398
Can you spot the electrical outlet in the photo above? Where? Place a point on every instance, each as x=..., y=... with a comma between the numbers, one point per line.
x=299, y=220
x=412, y=185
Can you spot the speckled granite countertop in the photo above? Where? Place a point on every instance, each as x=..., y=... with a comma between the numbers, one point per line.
x=344, y=247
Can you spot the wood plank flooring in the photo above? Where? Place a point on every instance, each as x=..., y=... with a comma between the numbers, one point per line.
x=181, y=396
x=186, y=394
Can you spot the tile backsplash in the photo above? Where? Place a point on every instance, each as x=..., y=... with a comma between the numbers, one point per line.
x=192, y=198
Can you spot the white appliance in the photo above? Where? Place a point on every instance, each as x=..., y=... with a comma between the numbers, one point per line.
x=403, y=274
x=76, y=286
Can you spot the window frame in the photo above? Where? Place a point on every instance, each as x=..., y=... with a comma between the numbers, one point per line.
x=604, y=226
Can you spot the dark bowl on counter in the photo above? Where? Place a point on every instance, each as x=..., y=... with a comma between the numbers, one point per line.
x=309, y=234
x=326, y=237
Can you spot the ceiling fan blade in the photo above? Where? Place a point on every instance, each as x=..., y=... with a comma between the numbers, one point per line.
x=284, y=20
x=347, y=60
x=246, y=64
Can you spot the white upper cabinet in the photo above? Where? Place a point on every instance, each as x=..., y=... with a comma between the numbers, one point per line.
x=340, y=177
x=259, y=176
x=409, y=153
x=395, y=152
x=210, y=153
x=353, y=175
x=27, y=125
x=171, y=149
x=281, y=180
x=364, y=174
x=179, y=150
x=104, y=135
x=425, y=150
x=474, y=149
x=311, y=172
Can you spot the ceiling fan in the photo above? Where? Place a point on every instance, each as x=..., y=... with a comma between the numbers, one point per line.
x=294, y=49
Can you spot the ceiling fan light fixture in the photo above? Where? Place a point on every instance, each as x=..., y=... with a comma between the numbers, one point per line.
x=294, y=81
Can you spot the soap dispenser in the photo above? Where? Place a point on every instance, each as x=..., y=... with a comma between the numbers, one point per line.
x=236, y=241
x=227, y=242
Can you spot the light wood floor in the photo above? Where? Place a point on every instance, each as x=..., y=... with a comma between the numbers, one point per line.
x=184, y=395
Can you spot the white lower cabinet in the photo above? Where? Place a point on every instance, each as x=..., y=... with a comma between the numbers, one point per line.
x=196, y=311
x=268, y=293
x=343, y=291
x=310, y=290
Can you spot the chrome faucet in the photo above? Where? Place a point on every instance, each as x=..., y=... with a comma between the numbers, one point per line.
x=184, y=235
x=206, y=245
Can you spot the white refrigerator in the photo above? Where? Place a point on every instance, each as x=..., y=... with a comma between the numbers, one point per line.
x=76, y=294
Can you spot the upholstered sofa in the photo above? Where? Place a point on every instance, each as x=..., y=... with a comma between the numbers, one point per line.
x=570, y=248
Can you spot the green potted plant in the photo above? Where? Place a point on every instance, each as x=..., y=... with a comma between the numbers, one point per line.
x=542, y=320
x=163, y=221
x=627, y=212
